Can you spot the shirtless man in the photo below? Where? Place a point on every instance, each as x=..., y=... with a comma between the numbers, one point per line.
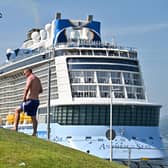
x=30, y=99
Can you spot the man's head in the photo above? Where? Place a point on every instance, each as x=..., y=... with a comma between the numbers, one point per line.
x=27, y=72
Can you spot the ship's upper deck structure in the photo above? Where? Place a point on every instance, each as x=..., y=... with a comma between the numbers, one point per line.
x=85, y=70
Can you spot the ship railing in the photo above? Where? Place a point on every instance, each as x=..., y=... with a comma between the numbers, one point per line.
x=33, y=52
x=71, y=43
x=22, y=56
x=93, y=44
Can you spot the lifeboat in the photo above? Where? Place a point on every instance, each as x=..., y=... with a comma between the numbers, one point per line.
x=0, y=121
x=10, y=119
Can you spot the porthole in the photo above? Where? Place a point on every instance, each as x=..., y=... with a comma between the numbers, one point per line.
x=108, y=134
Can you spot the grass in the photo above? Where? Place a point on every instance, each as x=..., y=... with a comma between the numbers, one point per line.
x=20, y=150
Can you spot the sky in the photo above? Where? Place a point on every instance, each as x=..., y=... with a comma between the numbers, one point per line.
x=142, y=24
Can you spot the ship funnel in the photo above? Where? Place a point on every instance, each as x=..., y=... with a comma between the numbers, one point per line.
x=89, y=18
x=58, y=15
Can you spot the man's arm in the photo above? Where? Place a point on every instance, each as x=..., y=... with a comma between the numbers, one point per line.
x=26, y=89
x=40, y=87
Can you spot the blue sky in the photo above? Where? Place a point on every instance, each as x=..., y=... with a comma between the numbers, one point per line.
x=142, y=24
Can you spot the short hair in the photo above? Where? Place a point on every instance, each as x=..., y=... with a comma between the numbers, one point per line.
x=28, y=69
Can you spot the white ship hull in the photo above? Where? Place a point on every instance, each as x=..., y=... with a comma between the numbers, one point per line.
x=129, y=143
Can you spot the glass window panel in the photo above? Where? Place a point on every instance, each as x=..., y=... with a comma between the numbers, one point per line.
x=89, y=77
x=140, y=93
x=130, y=92
x=74, y=52
x=102, y=118
x=100, y=52
x=104, y=91
x=82, y=115
x=137, y=79
x=128, y=78
x=89, y=115
x=71, y=52
x=132, y=79
x=123, y=54
x=133, y=54
x=103, y=77
x=84, y=91
x=59, y=52
x=113, y=53
x=86, y=52
x=76, y=77
x=116, y=77
x=99, y=115
x=118, y=91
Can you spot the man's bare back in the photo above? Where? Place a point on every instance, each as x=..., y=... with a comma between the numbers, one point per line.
x=33, y=87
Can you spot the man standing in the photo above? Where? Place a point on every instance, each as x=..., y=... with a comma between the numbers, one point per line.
x=30, y=99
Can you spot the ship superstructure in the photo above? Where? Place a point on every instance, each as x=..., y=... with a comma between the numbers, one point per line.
x=88, y=77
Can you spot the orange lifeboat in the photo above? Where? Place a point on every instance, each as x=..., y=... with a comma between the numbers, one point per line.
x=0, y=121
x=10, y=119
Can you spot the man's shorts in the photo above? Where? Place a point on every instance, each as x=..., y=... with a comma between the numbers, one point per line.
x=30, y=107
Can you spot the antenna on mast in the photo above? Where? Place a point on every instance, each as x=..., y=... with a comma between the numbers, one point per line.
x=113, y=41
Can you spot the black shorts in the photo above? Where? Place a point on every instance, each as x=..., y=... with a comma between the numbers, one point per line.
x=30, y=107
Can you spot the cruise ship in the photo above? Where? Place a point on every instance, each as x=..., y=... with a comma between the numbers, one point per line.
x=94, y=97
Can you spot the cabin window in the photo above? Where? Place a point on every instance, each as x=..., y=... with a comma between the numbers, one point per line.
x=104, y=91
x=103, y=77
x=83, y=91
x=123, y=54
x=130, y=92
x=133, y=54
x=118, y=91
x=113, y=53
x=132, y=79
x=100, y=52
x=139, y=93
x=88, y=77
x=86, y=52
x=116, y=77
x=76, y=77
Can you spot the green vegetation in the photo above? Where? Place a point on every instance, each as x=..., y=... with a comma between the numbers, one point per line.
x=20, y=150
